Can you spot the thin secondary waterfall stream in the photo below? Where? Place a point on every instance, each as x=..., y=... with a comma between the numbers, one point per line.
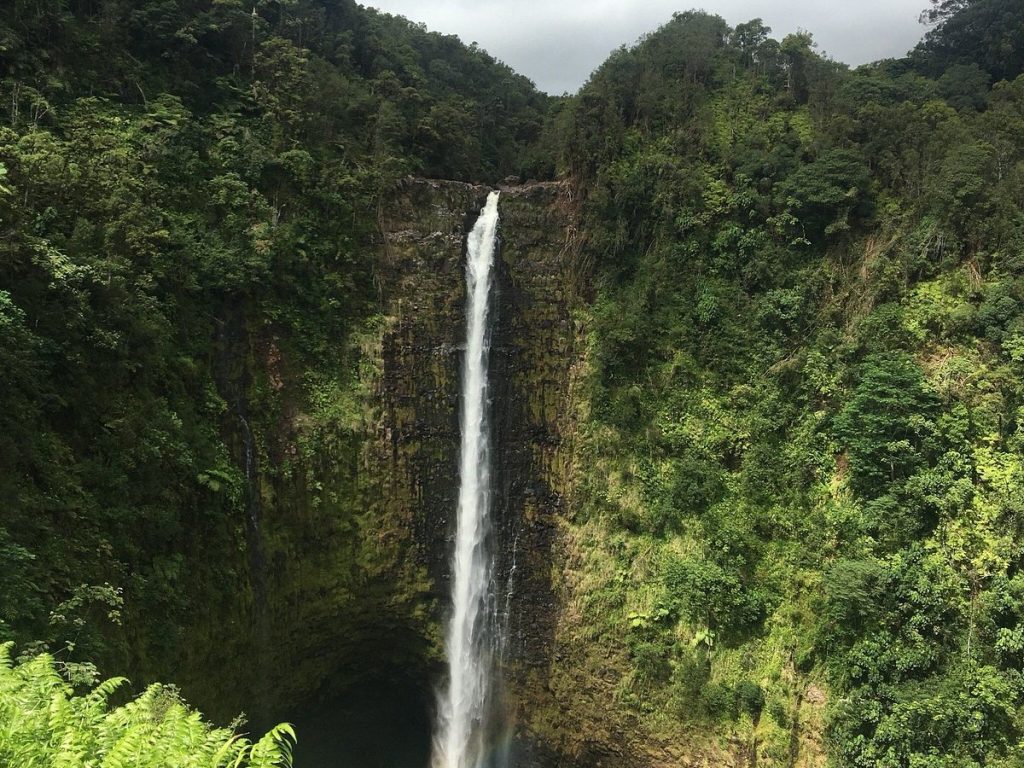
x=471, y=639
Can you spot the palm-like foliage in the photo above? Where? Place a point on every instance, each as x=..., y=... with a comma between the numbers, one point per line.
x=44, y=725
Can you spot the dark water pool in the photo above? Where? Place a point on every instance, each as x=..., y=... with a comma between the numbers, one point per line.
x=383, y=725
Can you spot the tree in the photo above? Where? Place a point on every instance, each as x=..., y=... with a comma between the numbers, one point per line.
x=989, y=33
x=797, y=54
x=749, y=39
x=943, y=9
x=831, y=192
x=889, y=423
x=965, y=86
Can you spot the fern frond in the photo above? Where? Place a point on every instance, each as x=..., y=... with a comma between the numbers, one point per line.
x=126, y=749
x=6, y=660
x=274, y=750
x=229, y=751
x=99, y=695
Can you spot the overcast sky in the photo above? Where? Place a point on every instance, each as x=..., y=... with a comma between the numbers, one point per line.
x=557, y=44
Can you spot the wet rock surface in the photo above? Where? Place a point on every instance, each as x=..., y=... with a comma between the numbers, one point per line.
x=357, y=481
x=420, y=274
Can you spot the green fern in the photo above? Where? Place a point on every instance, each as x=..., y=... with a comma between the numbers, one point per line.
x=44, y=725
x=274, y=750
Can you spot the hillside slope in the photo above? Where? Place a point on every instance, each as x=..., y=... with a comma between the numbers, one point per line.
x=797, y=508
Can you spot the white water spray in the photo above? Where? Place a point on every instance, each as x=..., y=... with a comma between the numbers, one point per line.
x=464, y=707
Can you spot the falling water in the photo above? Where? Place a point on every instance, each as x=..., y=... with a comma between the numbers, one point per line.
x=464, y=708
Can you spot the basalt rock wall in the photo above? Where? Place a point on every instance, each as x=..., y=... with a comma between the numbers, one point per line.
x=538, y=276
x=342, y=567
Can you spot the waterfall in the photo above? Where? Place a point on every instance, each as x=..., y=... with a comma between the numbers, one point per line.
x=465, y=706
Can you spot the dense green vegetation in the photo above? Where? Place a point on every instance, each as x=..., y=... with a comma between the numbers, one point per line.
x=188, y=193
x=43, y=723
x=800, y=474
x=804, y=442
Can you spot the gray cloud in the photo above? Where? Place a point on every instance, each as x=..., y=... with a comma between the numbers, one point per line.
x=558, y=44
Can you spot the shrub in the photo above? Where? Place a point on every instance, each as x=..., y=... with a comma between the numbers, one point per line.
x=43, y=723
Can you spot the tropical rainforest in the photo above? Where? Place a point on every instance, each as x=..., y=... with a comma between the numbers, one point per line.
x=796, y=513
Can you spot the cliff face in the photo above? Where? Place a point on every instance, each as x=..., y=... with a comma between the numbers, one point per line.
x=535, y=346
x=570, y=673
x=422, y=287
x=351, y=472
x=352, y=467
x=354, y=496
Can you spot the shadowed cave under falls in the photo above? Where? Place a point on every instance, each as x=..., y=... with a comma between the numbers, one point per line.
x=384, y=723
x=455, y=717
